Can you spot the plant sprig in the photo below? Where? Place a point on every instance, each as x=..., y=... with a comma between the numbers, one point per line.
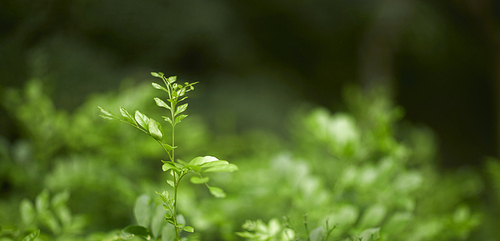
x=178, y=169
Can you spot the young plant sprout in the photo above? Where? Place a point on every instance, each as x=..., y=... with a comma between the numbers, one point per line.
x=175, y=95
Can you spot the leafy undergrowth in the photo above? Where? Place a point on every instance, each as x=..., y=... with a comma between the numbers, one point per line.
x=359, y=174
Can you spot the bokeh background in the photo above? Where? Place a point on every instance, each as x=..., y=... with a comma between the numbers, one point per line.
x=438, y=58
x=260, y=61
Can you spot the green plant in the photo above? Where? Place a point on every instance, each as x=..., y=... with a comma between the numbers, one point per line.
x=46, y=218
x=178, y=169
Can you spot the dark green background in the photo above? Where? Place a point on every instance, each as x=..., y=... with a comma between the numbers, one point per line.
x=256, y=60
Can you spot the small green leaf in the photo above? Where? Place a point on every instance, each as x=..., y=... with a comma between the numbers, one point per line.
x=142, y=119
x=106, y=114
x=42, y=201
x=155, y=129
x=198, y=161
x=169, y=166
x=161, y=103
x=157, y=75
x=167, y=119
x=27, y=211
x=168, y=147
x=50, y=221
x=142, y=210
x=222, y=168
x=172, y=79
x=181, y=108
x=137, y=231
x=171, y=183
x=217, y=192
x=188, y=229
x=199, y=180
x=128, y=117
x=179, y=118
x=32, y=236
x=159, y=87
x=60, y=199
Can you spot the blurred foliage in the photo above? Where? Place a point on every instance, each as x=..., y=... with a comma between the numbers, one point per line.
x=359, y=169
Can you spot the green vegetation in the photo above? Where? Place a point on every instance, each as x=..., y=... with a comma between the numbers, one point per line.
x=358, y=174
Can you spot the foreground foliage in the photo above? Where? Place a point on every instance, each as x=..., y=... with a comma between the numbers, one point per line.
x=360, y=174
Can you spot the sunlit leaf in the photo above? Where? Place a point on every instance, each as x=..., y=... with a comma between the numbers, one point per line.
x=161, y=103
x=106, y=114
x=142, y=119
x=198, y=161
x=159, y=87
x=172, y=79
x=155, y=129
x=158, y=75
x=222, y=168
x=181, y=108
x=179, y=118
x=126, y=115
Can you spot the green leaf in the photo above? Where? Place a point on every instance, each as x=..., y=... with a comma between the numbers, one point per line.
x=167, y=119
x=106, y=114
x=157, y=221
x=155, y=129
x=142, y=119
x=169, y=166
x=222, y=168
x=168, y=233
x=142, y=210
x=199, y=180
x=161, y=103
x=27, y=211
x=179, y=118
x=137, y=231
x=188, y=229
x=198, y=161
x=49, y=220
x=60, y=199
x=159, y=87
x=371, y=234
x=181, y=108
x=172, y=79
x=157, y=75
x=171, y=183
x=163, y=196
x=42, y=201
x=128, y=117
x=168, y=147
x=32, y=236
x=217, y=192
x=214, y=163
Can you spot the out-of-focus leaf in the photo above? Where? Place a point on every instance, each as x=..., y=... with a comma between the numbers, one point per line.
x=142, y=210
x=217, y=192
x=32, y=236
x=199, y=180
x=137, y=231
